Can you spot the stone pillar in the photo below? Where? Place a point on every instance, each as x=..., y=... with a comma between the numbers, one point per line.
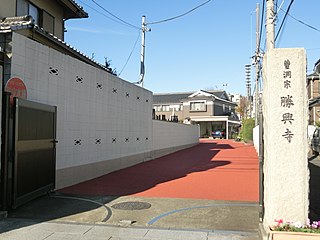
x=285, y=105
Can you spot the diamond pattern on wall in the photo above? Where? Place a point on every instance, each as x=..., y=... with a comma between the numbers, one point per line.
x=77, y=142
x=79, y=79
x=99, y=85
x=53, y=71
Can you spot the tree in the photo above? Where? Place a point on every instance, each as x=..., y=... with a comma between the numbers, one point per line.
x=243, y=107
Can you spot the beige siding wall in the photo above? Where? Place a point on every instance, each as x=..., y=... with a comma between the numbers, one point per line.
x=56, y=11
x=188, y=113
x=8, y=8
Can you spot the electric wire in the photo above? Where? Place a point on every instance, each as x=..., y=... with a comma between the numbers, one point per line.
x=134, y=46
x=275, y=18
x=101, y=13
x=181, y=15
x=121, y=20
x=261, y=23
x=307, y=25
x=283, y=20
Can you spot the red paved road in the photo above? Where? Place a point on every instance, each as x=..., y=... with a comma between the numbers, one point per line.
x=214, y=170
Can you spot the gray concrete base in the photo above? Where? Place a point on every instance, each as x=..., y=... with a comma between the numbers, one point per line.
x=263, y=233
x=73, y=175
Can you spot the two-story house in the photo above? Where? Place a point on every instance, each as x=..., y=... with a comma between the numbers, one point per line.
x=212, y=110
x=313, y=90
x=48, y=15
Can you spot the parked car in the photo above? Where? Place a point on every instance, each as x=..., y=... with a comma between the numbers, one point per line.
x=315, y=141
x=218, y=134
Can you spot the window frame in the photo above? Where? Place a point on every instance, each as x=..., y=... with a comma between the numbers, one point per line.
x=202, y=109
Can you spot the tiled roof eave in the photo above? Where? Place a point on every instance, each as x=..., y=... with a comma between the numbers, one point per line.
x=69, y=48
x=78, y=10
x=16, y=26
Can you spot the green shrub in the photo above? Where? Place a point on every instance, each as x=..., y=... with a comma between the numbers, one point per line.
x=247, y=130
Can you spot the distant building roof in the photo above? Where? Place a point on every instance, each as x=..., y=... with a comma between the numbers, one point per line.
x=314, y=102
x=170, y=97
x=313, y=76
x=160, y=98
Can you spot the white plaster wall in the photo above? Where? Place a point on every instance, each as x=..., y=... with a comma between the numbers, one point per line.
x=95, y=108
x=169, y=134
x=89, y=109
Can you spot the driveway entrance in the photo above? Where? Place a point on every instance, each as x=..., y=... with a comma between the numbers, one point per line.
x=213, y=170
x=212, y=187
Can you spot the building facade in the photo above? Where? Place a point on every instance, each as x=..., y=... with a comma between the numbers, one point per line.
x=313, y=90
x=48, y=15
x=212, y=110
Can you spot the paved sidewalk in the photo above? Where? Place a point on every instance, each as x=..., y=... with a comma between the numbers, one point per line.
x=17, y=229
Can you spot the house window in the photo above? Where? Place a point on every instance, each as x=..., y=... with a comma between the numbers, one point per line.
x=35, y=14
x=41, y=18
x=165, y=108
x=47, y=22
x=22, y=7
x=223, y=107
x=198, y=106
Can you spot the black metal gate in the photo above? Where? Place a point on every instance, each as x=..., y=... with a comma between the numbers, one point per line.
x=34, y=155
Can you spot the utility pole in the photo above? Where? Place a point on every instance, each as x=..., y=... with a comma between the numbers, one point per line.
x=257, y=64
x=144, y=29
x=270, y=24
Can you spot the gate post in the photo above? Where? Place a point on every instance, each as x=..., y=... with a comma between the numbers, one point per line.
x=285, y=136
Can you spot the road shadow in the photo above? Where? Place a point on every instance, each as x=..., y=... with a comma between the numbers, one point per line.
x=144, y=176
x=75, y=202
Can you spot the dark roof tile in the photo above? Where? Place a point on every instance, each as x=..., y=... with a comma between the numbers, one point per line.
x=160, y=98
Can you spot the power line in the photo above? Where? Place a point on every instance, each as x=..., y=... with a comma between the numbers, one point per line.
x=283, y=20
x=134, y=46
x=101, y=13
x=181, y=15
x=261, y=23
x=308, y=25
x=129, y=24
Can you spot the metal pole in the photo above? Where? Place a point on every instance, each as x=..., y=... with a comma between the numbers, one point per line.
x=257, y=64
x=144, y=29
x=270, y=24
x=261, y=163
